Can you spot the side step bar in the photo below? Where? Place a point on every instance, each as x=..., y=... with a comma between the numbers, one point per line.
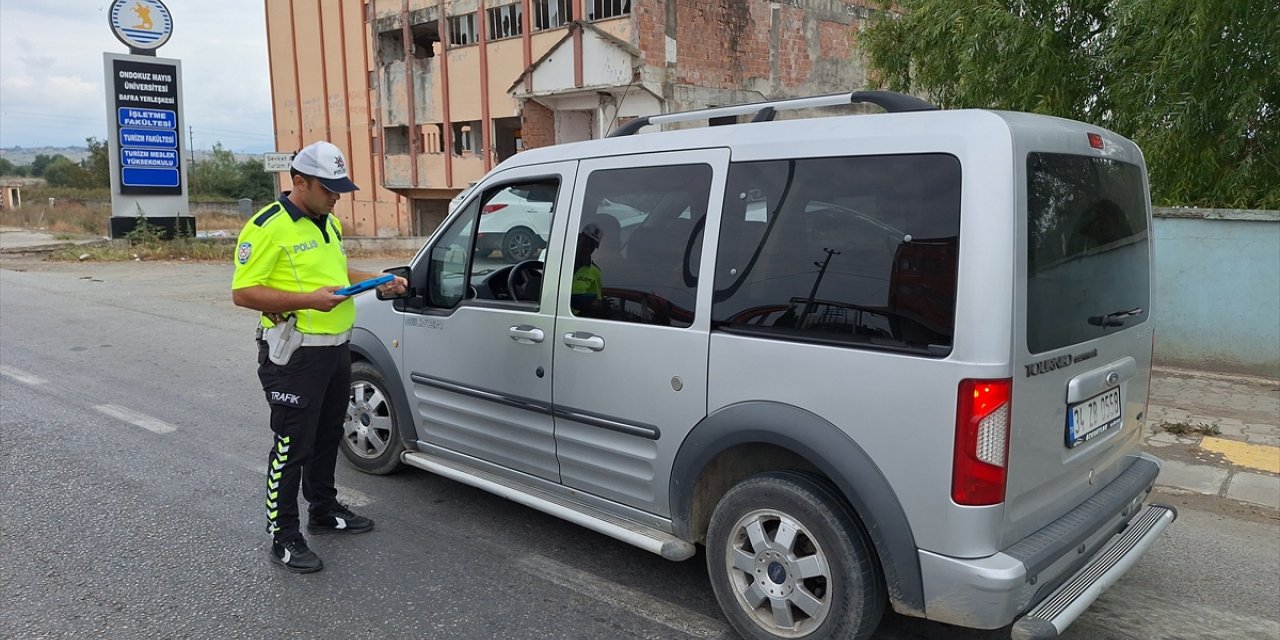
x=1055, y=613
x=632, y=533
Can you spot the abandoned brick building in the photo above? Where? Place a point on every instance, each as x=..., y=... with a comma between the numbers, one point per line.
x=425, y=96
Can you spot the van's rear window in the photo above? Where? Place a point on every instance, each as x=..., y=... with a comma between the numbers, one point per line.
x=1088, y=249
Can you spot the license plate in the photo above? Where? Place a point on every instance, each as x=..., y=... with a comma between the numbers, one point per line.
x=1093, y=417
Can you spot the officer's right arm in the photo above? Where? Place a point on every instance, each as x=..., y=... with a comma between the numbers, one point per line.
x=256, y=256
x=268, y=300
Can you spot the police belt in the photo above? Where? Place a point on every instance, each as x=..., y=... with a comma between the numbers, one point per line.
x=316, y=339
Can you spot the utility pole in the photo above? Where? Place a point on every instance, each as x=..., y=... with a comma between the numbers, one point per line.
x=191, y=152
x=813, y=295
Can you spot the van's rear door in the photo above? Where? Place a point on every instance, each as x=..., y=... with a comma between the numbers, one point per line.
x=1083, y=352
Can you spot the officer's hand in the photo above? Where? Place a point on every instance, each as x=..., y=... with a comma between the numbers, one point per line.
x=395, y=287
x=323, y=299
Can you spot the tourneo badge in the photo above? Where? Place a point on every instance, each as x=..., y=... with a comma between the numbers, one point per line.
x=141, y=24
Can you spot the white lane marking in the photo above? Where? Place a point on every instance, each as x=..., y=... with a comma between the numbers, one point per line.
x=347, y=496
x=21, y=376
x=637, y=602
x=135, y=418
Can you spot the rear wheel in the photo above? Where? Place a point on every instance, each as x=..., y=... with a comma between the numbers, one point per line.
x=371, y=433
x=787, y=559
x=520, y=244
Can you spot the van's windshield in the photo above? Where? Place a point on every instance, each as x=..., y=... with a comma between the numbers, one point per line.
x=1088, y=249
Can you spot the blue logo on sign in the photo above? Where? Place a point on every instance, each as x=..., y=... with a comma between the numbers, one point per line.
x=141, y=24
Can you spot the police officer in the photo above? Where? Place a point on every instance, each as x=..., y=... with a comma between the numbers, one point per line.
x=289, y=261
x=587, y=297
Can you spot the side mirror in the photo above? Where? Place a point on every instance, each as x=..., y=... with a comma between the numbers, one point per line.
x=403, y=272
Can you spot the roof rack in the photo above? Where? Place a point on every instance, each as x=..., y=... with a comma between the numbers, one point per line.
x=890, y=101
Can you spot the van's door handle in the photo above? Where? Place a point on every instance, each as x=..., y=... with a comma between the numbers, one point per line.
x=526, y=334
x=583, y=341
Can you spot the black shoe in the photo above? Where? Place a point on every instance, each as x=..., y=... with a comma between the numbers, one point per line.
x=294, y=555
x=339, y=520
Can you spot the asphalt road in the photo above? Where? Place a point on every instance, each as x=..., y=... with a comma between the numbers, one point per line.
x=132, y=450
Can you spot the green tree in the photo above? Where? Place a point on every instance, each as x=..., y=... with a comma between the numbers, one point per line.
x=98, y=164
x=42, y=161
x=6, y=167
x=255, y=182
x=217, y=175
x=1196, y=83
x=65, y=172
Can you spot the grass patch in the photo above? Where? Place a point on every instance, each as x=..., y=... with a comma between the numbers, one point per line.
x=123, y=251
x=71, y=218
x=68, y=220
x=1188, y=429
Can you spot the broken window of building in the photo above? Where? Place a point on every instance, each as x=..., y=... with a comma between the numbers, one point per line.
x=396, y=140
x=433, y=138
x=390, y=47
x=506, y=21
x=425, y=37
x=462, y=29
x=466, y=137
x=601, y=9
x=549, y=14
x=506, y=137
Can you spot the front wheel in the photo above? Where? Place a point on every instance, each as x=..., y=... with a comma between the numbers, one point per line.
x=371, y=433
x=787, y=559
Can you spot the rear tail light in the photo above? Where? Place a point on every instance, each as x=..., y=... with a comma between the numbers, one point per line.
x=490, y=208
x=979, y=473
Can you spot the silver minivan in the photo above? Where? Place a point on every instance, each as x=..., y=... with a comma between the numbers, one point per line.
x=895, y=359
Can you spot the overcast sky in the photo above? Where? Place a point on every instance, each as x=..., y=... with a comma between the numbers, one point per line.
x=51, y=72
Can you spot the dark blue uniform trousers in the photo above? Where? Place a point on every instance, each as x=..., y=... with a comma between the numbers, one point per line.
x=308, y=399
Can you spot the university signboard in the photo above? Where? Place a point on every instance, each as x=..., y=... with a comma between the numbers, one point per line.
x=144, y=115
x=147, y=126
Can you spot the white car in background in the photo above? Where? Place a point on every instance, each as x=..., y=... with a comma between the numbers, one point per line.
x=462, y=195
x=515, y=222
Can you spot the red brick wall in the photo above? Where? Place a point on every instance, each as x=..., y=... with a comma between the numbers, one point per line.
x=721, y=43
x=835, y=40
x=794, y=63
x=651, y=30
x=728, y=44
x=537, y=125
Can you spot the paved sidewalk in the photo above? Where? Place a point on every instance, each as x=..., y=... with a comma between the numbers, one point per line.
x=1217, y=434
x=15, y=240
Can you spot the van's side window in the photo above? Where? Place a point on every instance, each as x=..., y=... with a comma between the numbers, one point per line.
x=507, y=226
x=649, y=221
x=857, y=250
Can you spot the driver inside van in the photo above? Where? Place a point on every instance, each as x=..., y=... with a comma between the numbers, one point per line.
x=587, y=297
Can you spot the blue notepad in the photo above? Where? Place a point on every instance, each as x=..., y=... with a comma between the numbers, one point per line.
x=361, y=287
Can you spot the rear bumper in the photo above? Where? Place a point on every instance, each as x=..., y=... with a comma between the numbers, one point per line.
x=1057, y=571
x=1054, y=614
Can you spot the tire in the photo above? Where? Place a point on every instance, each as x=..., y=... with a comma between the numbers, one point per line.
x=520, y=244
x=371, y=433
x=824, y=583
